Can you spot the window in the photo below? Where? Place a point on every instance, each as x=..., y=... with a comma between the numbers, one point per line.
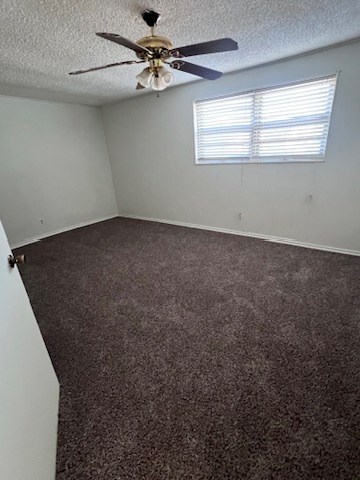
x=282, y=124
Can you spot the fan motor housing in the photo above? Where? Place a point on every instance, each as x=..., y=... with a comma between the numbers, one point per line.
x=155, y=43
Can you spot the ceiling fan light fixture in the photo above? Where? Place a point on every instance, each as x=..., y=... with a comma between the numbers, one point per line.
x=145, y=77
x=157, y=50
x=161, y=79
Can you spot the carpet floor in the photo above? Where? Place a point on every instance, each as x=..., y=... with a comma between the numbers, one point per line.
x=188, y=354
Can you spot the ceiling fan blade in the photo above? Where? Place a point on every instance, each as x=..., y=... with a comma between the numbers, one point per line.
x=214, y=46
x=139, y=86
x=124, y=42
x=130, y=62
x=203, y=72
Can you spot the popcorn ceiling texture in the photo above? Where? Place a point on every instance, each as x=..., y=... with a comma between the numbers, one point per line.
x=42, y=40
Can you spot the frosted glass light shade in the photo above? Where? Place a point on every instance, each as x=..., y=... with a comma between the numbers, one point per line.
x=144, y=78
x=162, y=80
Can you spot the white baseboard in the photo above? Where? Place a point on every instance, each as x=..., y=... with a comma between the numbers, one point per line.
x=268, y=238
x=27, y=241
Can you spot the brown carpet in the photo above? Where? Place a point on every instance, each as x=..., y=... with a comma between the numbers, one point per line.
x=186, y=354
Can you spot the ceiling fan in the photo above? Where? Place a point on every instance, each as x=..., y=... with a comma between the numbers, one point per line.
x=159, y=51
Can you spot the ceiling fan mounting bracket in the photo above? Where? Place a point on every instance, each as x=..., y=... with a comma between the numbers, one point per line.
x=150, y=17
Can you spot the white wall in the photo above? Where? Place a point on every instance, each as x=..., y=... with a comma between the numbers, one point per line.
x=151, y=148
x=53, y=165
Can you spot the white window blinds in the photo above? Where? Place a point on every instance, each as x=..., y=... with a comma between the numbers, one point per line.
x=288, y=123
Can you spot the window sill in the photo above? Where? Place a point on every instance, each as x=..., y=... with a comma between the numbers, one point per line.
x=259, y=162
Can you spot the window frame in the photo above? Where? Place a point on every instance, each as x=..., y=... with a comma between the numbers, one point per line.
x=276, y=159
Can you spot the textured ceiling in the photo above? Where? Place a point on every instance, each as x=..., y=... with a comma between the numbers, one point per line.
x=42, y=40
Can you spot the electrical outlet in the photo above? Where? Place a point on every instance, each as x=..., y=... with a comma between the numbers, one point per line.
x=42, y=221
